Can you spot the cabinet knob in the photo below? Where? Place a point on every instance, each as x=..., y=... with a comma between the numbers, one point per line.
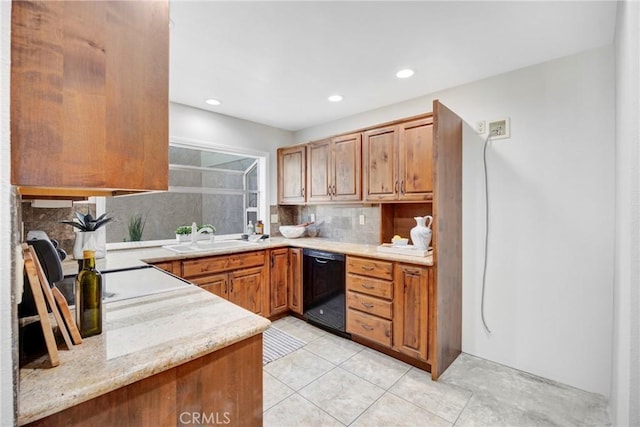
x=367, y=304
x=368, y=268
x=367, y=286
x=367, y=327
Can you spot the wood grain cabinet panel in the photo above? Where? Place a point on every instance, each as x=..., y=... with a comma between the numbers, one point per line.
x=89, y=95
x=292, y=175
x=295, y=280
x=411, y=310
x=217, y=284
x=246, y=288
x=279, y=281
x=370, y=267
x=398, y=162
x=370, y=327
x=333, y=169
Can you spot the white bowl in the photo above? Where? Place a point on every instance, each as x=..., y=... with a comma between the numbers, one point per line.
x=291, y=231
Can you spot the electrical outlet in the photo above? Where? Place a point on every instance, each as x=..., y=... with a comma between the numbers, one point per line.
x=481, y=126
x=361, y=219
x=499, y=129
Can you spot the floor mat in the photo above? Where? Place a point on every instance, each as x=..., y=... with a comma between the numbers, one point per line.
x=277, y=343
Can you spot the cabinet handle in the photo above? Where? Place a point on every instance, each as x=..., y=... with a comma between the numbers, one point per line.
x=367, y=304
x=302, y=191
x=367, y=327
x=395, y=186
x=226, y=287
x=402, y=186
x=366, y=286
x=413, y=272
x=334, y=190
x=232, y=286
x=368, y=268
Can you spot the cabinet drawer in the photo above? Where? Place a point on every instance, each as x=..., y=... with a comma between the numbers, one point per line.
x=369, y=286
x=202, y=266
x=369, y=327
x=371, y=305
x=216, y=284
x=370, y=267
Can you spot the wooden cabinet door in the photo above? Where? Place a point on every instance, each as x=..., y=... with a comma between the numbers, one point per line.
x=292, y=175
x=416, y=160
x=279, y=281
x=319, y=171
x=345, y=172
x=410, y=310
x=89, y=96
x=295, y=280
x=216, y=284
x=245, y=288
x=380, y=164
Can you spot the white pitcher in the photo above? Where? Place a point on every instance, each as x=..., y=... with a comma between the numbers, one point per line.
x=421, y=233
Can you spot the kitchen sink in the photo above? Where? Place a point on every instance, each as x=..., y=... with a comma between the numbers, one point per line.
x=189, y=248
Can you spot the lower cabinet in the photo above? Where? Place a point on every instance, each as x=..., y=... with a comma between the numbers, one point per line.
x=279, y=280
x=295, y=280
x=240, y=278
x=388, y=303
x=411, y=310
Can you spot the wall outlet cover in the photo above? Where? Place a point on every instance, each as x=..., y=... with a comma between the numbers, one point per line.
x=499, y=129
x=481, y=126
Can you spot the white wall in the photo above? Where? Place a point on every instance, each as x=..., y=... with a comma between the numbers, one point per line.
x=6, y=362
x=625, y=392
x=550, y=276
x=220, y=130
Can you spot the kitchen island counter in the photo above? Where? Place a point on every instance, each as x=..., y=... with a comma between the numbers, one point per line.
x=142, y=337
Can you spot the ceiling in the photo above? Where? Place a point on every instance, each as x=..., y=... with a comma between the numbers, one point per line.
x=277, y=62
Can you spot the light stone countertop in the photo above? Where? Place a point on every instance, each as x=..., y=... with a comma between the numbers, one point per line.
x=141, y=337
x=130, y=258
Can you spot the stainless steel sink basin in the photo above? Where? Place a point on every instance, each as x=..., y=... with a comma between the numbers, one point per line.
x=189, y=248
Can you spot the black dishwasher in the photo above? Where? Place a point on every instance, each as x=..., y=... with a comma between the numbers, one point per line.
x=324, y=290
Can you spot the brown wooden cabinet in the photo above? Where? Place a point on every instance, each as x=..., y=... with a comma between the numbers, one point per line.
x=369, y=299
x=411, y=310
x=89, y=97
x=241, y=278
x=398, y=162
x=279, y=281
x=295, y=280
x=333, y=169
x=292, y=175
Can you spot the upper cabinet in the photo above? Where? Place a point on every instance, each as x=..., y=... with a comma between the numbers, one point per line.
x=89, y=97
x=398, y=162
x=333, y=169
x=292, y=175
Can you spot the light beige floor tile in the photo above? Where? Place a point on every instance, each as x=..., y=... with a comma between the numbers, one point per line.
x=273, y=391
x=444, y=400
x=333, y=348
x=390, y=410
x=376, y=368
x=342, y=394
x=302, y=330
x=295, y=411
x=299, y=368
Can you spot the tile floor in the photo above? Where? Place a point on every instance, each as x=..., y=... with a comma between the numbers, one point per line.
x=335, y=382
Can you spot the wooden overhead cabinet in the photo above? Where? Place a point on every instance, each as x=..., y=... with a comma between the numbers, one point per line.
x=89, y=97
x=333, y=169
x=292, y=175
x=398, y=162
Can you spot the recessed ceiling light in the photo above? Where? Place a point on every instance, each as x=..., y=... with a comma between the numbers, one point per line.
x=212, y=101
x=335, y=98
x=403, y=74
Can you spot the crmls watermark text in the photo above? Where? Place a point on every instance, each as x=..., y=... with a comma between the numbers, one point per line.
x=204, y=418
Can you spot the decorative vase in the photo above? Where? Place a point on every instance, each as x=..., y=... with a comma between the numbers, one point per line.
x=90, y=240
x=182, y=238
x=421, y=233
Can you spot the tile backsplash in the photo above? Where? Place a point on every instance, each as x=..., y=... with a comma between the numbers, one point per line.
x=340, y=223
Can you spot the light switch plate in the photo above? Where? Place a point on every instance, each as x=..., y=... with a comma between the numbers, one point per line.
x=274, y=218
x=362, y=219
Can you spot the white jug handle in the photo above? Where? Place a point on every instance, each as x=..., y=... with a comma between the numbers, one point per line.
x=430, y=219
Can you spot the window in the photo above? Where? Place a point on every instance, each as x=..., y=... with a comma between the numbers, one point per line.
x=206, y=186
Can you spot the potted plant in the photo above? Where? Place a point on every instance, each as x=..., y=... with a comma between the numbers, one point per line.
x=183, y=233
x=90, y=234
x=136, y=227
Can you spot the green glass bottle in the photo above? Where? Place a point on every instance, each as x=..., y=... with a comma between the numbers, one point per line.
x=89, y=297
